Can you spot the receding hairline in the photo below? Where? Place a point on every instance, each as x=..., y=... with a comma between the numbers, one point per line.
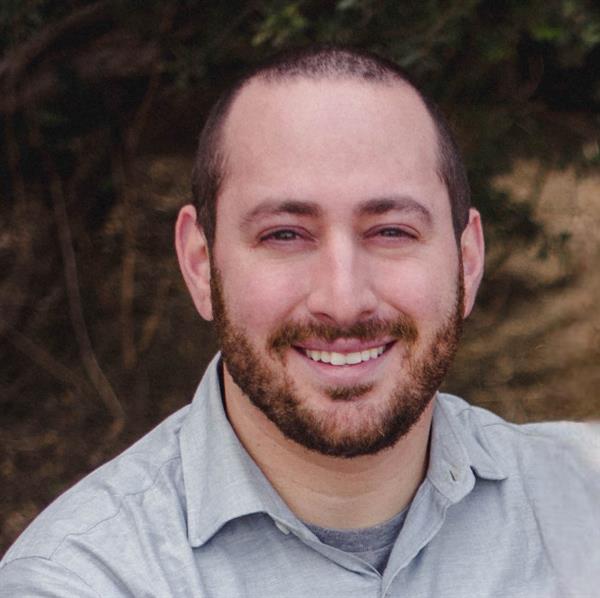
x=331, y=61
x=277, y=78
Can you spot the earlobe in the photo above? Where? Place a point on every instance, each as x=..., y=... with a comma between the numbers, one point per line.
x=194, y=261
x=472, y=247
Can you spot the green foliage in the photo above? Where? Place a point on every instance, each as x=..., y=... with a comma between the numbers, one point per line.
x=283, y=23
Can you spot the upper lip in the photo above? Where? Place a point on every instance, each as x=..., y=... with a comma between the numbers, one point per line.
x=342, y=345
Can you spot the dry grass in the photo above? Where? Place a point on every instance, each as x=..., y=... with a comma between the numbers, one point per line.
x=534, y=352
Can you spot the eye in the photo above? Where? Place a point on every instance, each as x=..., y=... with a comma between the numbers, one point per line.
x=393, y=233
x=281, y=235
x=286, y=239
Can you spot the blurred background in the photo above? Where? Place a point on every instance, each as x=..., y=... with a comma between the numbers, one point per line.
x=100, y=107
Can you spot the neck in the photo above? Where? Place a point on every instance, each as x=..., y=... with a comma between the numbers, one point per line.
x=330, y=491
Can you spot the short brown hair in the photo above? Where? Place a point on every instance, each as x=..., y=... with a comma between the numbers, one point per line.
x=320, y=62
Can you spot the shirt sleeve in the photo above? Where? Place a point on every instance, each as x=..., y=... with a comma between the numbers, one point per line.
x=36, y=577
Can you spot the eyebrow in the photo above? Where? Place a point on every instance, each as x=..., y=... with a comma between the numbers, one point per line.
x=400, y=203
x=286, y=206
x=372, y=207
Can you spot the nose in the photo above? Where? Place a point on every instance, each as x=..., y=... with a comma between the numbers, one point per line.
x=341, y=289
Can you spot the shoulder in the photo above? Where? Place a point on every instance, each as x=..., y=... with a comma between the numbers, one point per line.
x=552, y=475
x=118, y=495
x=555, y=464
x=557, y=450
x=525, y=449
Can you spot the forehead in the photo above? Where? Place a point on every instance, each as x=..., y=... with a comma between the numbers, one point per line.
x=325, y=136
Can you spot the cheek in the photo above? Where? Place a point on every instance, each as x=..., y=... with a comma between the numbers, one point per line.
x=423, y=292
x=259, y=298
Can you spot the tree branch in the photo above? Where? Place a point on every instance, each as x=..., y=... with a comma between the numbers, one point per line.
x=44, y=359
x=12, y=67
x=88, y=356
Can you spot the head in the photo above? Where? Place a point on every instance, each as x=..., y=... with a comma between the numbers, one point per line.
x=334, y=248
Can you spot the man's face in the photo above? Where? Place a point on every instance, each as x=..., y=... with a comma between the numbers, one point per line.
x=336, y=280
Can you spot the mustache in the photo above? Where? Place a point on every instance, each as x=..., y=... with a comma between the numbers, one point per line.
x=401, y=328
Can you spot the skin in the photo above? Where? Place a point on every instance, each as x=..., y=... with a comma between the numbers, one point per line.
x=303, y=236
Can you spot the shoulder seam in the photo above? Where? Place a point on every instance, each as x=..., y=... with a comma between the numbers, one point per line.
x=121, y=498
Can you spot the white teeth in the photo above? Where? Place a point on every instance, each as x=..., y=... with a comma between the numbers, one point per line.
x=338, y=358
x=335, y=358
x=353, y=358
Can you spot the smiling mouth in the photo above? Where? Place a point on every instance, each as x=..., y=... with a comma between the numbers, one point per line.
x=336, y=358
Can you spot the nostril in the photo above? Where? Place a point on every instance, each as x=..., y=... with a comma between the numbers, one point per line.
x=342, y=307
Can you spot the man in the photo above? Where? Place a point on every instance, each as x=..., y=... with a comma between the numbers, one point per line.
x=332, y=242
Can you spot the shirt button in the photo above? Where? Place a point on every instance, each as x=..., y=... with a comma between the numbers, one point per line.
x=455, y=474
x=282, y=528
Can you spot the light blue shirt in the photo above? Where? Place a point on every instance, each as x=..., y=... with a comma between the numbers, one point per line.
x=505, y=511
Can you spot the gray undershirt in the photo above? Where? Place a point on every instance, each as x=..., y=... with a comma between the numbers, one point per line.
x=371, y=544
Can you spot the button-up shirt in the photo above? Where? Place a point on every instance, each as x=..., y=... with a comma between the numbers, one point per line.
x=504, y=511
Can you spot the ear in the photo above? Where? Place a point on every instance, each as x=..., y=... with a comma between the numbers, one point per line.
x=194, y=262
x=472, y=247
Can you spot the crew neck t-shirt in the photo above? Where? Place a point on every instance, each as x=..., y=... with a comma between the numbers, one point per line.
x=371, y=544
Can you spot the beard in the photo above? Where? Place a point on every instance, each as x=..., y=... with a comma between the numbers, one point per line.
x=382, y=422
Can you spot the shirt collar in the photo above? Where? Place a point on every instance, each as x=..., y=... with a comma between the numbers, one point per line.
x=222, y=482
x=459, y=449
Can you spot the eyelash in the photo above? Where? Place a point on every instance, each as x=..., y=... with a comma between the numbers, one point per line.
x=397, y=233
x=281, y=235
